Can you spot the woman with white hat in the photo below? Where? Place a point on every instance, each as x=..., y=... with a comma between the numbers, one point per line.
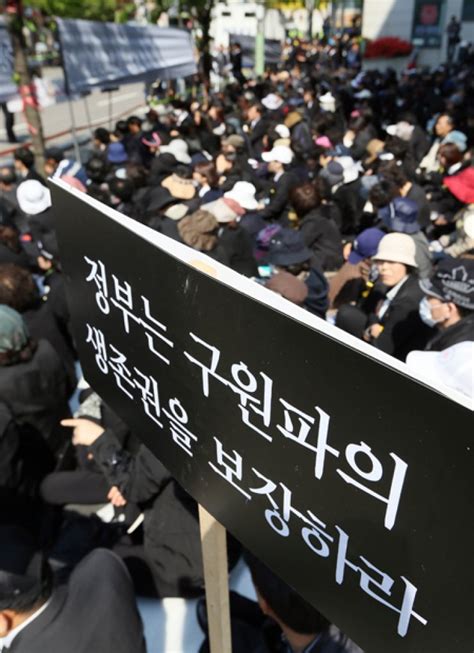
x=395, y=327
x=387, y=312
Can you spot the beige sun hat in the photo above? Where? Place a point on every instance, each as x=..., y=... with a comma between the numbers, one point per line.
x=397, y=248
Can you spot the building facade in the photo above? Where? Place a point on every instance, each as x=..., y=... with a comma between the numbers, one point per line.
x=423, y=22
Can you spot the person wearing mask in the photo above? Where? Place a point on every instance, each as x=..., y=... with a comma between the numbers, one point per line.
x=448, y=304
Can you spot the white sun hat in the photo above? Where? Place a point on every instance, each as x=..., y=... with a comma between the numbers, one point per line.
x=33, y=197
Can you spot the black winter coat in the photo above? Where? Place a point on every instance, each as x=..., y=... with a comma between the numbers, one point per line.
x=404, y=330
x=36, y=392
x=462, y=331
x=323, y=237
x=171, y=527
x=277, y=208
x=95, y=612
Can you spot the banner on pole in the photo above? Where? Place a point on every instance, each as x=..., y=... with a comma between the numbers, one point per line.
x=344, y=473
x=96, y=53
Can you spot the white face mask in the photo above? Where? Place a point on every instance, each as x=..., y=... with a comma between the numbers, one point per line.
x=426, y=315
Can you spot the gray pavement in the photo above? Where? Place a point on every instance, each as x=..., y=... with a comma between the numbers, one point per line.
x=57, y=117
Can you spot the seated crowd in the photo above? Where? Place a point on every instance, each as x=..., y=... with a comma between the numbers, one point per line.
x=350, y=194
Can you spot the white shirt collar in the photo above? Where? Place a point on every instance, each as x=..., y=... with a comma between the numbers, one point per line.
x=203, y=190
x=278, y=175
x=454, y=168
x=5, y=642
x=389, y=297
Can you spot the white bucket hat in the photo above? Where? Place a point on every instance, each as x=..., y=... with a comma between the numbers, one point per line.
x=280, y=153
x=179, y=149
x=283, y=131
x=220, y=210
x=327, y=102
x=243, y=193
x=350, y=167
x=33, y=197
x=272, y=101
x=397, y=248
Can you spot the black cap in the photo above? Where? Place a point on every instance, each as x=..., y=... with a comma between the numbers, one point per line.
x=453, y=281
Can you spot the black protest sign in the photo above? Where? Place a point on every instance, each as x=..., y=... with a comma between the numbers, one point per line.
x=346, y=476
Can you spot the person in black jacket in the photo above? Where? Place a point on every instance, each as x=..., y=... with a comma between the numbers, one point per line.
x=19, y=291
x=95, y=611
x=171, y=528
x=278, y=159
x=257, y=128
x=448, y=304
x=33, y=382
x=320, y=233
x=396, y=327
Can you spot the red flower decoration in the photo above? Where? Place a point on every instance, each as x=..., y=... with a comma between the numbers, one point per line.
x=387, y=47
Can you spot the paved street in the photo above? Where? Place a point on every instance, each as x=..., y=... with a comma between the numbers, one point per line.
x=57, y=118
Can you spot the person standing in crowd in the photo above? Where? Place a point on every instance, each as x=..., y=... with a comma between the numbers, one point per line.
x=448, y=304
x=453, y=31
x=9, y=123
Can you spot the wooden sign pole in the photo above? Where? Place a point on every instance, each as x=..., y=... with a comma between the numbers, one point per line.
x=216, y=576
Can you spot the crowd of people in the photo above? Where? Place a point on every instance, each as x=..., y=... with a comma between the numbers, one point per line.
x=349, y=193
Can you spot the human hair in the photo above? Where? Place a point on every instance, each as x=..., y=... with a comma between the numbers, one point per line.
x=208, y=170
x=259, y=107
x=54, y=154
x=449, y=117
x=17, y=287
x=7, y=175
x=219, y=109
x=134, y=120
x=121, y=188
x=137, y=174
x=288, y=606
x=383, y=193
x=121, y=128
x=394, y=173
x=304, y=198
x=102, y=135
x=97, y=168
x=396, y=146
x=451, y=153
x=25, y=156
x=464, y=312
x=10, y=237
x=324, y=188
